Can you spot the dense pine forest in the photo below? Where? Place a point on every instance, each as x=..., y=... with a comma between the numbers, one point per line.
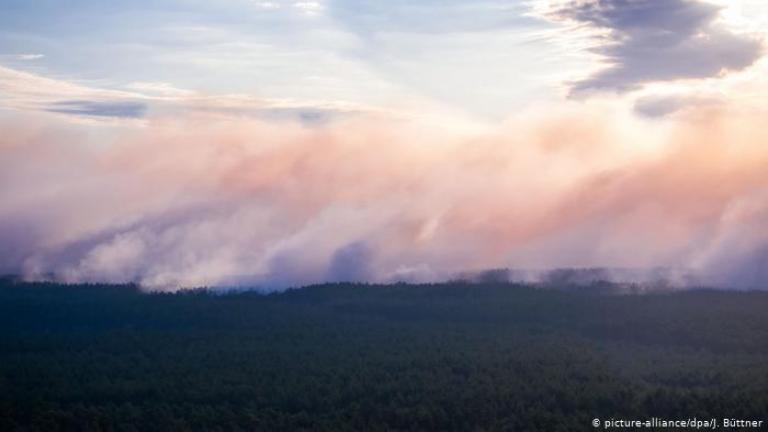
x=349, y=357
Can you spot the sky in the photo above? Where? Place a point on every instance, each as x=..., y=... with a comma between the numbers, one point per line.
x=187, y=143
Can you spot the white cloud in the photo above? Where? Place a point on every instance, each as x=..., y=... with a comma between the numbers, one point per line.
x=30, y=56
x=268, y=5
x=162, y=89
x=309, y=7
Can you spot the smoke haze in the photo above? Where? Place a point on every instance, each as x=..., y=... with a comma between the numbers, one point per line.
x=205, y=200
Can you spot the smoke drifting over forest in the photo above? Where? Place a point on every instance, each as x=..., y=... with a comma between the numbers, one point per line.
x=276, y=144
x=205, y=200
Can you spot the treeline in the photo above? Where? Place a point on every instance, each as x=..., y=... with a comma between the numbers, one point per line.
x=458, y=356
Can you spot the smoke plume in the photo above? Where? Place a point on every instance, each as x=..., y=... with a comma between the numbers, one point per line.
x=204, y=200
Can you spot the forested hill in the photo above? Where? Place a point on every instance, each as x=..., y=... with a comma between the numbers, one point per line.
x=457, y=356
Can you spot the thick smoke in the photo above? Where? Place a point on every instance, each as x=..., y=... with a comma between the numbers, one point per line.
x=205, y=200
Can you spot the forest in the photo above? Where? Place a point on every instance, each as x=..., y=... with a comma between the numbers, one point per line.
x=483, y=356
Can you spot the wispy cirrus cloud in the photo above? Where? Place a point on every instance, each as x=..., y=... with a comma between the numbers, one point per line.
x=646, y=41
x=30, y=56
x=121, y=109
x=28, y=92
x=21, y=58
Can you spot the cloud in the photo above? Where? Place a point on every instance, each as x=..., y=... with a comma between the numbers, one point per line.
x=659, y=106
x=30, y=56
x=308, y=116
x=20, y=59
x=267, y=5
x=644, y=41
x=122, y=109
x=27, y=92
x=160, y=89
x=309, y=7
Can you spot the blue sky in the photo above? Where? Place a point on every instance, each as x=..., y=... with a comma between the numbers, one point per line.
x=486, y=58
x=483, y=59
